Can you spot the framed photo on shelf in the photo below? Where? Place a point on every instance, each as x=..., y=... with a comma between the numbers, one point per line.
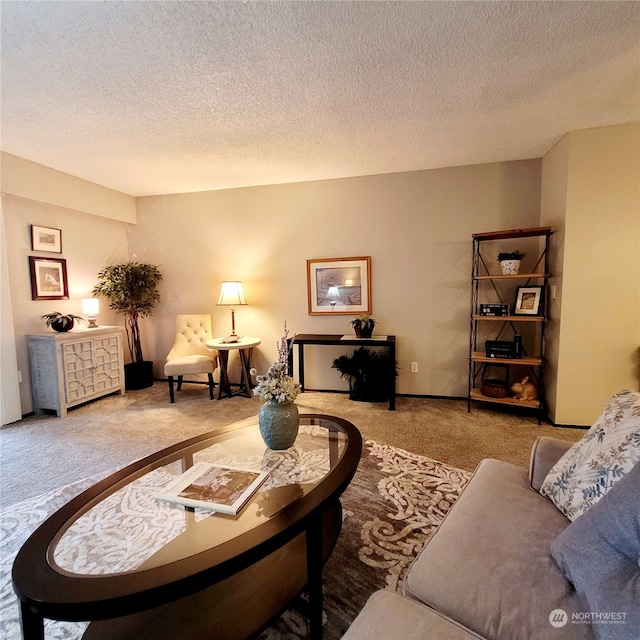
x=46, y=239
x=528, y=301
x=48, y=278
x=339, y=286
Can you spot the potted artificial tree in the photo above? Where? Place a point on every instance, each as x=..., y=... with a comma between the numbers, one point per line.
x=131, y=290
x=369, y=373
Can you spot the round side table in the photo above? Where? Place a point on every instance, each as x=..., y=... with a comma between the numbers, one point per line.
x=244, y=347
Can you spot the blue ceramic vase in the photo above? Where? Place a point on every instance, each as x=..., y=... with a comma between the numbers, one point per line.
x=279, y=423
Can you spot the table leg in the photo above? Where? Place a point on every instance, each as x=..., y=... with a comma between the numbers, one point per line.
x=314, y=576
x=290, y=344
x=392, y=381
x=301, y=366
x=245, y=377
x=225, y=386
x=32, y=624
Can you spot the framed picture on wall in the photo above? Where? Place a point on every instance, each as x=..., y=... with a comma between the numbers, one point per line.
x=339, y=286
x=48, y=278
x=528, y=301
x=46, y=239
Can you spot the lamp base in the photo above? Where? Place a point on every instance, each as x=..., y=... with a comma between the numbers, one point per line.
x=230, y=339
x=92, y=324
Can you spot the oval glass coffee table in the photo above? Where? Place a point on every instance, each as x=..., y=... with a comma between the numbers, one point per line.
x=140, y=568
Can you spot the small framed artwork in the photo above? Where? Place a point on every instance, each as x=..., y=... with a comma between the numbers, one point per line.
x=528, y=301
x=46, y=239
x=48, y=278
x=339, y=286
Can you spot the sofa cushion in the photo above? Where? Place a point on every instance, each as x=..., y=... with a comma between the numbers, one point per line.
x=599, y=554
x=489, y=564
x=189, y=364
x=593, y=465
x=389, y=616
x=545, y=453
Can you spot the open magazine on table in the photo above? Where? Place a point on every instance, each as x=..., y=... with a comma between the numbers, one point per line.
x=214, y=487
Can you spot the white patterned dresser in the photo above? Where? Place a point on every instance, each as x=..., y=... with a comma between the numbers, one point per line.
x=71, y=368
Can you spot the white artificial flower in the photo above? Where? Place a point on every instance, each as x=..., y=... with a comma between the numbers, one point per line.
x=276, y=384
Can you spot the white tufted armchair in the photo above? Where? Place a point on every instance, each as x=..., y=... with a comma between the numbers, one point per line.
x=190, y=353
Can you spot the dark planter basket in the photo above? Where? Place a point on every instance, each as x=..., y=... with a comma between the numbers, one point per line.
x=363, y=332
x=369, y=390
x=60, y=327
x=370, y=374
x=138, y=375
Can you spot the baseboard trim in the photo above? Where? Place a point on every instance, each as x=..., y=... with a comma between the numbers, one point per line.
x=567, y=426
x=398, y=395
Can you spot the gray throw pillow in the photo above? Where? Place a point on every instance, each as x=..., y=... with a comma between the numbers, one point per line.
x=599, y=554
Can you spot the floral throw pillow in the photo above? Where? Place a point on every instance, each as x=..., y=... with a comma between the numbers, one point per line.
x=593, y=465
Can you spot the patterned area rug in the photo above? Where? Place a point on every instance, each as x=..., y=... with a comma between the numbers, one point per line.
x=393, y=504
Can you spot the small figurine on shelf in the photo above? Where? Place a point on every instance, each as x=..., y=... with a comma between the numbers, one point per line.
x=524, y=390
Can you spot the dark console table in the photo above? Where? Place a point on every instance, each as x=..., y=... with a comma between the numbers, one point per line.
x=339, y=340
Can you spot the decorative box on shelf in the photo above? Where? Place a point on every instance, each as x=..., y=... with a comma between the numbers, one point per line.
x=494, y=309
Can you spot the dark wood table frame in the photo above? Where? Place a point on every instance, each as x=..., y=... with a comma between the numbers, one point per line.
x=310, y=525
x=244, y=388
x=245, y=353
x=303, y=339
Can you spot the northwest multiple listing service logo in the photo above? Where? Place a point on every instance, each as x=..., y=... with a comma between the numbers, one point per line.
x=559, y=618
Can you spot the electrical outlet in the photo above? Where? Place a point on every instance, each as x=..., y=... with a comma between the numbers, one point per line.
x=19, y=375
x=414, y=367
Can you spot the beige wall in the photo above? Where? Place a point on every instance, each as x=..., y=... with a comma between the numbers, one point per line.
x=591, y=193
x=553, y=209
x=33, y=181
x=89, y=242
x=10, y=406
x=416, y=227
x=93, y=220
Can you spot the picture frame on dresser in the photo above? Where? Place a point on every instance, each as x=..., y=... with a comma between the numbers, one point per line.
x=339, y=286
x=48, y=278
x=46, y=239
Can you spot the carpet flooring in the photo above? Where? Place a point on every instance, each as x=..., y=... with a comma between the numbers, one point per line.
x=393, y=504
x=44, y=460
x=44, y=452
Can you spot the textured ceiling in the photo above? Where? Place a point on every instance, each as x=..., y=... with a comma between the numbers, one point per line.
x=166, y=97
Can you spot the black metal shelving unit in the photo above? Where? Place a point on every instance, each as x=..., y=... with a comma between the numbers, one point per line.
x=531, y=360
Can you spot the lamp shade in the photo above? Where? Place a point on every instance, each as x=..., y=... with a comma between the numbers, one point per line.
x=91, y=306
x=231, y=293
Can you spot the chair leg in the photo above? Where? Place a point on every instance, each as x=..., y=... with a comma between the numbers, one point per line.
x=180, y=382
x=211, y=385
x=171, y=389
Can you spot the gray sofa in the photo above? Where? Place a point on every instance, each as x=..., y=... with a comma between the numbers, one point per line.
x=488, y=571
